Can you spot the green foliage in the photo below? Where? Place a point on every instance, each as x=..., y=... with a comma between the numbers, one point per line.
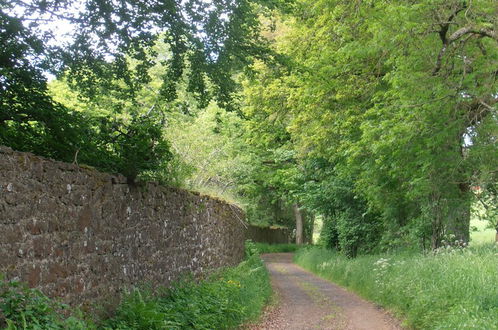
x=486, y=206
x=481, y=232
x=223, y=301
x=218, y=160
x=25, y=308
x=104, y=34
x=120, y=58
x=251, y=248
x=275, y=248
x=351, y=232
x=136, y=147
x=210, y=144
x=329, y=237
x=452, y=288
x=132, y=143
x=133, y=147
x=125, y=135
x=399, y=101
x=274, y=183
x=349, y=225
x=51, y=131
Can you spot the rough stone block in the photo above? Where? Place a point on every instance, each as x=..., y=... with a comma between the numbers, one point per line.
x=42, y=247
x=37, y=227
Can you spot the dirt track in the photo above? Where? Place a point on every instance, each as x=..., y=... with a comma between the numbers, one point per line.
x=308, y=302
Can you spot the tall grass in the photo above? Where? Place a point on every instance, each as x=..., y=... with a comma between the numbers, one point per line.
x=224, y=301
x=451, y=289
x=481, y=233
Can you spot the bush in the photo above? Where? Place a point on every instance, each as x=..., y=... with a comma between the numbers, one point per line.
x=133, y=148
x=349, y=224
x=276, y=248
x=453, y=288
x=251, y=248
x=25, y=308
x=225, y=300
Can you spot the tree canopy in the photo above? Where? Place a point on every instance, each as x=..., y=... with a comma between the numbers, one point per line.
x=398, y=98
x=379, y=116
x=111, y=48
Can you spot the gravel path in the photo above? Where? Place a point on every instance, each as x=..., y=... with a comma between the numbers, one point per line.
x=306, y=301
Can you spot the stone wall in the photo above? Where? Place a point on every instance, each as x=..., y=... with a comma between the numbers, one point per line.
x=269, y=235
x=83, y=235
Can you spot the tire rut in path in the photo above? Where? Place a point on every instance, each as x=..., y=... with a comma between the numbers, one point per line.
x=309, y=302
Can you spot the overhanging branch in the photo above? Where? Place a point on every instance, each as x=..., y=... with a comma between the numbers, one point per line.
x=467, y=30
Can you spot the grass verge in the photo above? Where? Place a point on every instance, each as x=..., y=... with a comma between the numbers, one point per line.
x=452, y=289
x=225, y=300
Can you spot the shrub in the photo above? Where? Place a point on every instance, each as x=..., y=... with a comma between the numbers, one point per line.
x=225, y=300
x=251, y=248
x=25, y=308
x=275, y=248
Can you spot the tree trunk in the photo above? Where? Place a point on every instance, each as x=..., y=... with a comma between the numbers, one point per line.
x=459, y=223
x=459, y=216
x=451, y=218
x=437, y=223
x=299, y=224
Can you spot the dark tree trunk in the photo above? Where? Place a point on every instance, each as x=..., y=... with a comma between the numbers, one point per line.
x=459, y=223
x=437, y=222
x=450, y=218
x=459, y=216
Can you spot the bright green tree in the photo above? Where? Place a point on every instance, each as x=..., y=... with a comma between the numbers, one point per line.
x=401, y=98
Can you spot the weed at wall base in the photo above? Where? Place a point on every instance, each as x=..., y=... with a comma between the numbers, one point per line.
x=225, y=300
x=25, y=308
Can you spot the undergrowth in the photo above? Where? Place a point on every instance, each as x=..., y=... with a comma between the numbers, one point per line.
x=25, y=308
x=276, y=248
x=453, y=288
x=224, y=300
